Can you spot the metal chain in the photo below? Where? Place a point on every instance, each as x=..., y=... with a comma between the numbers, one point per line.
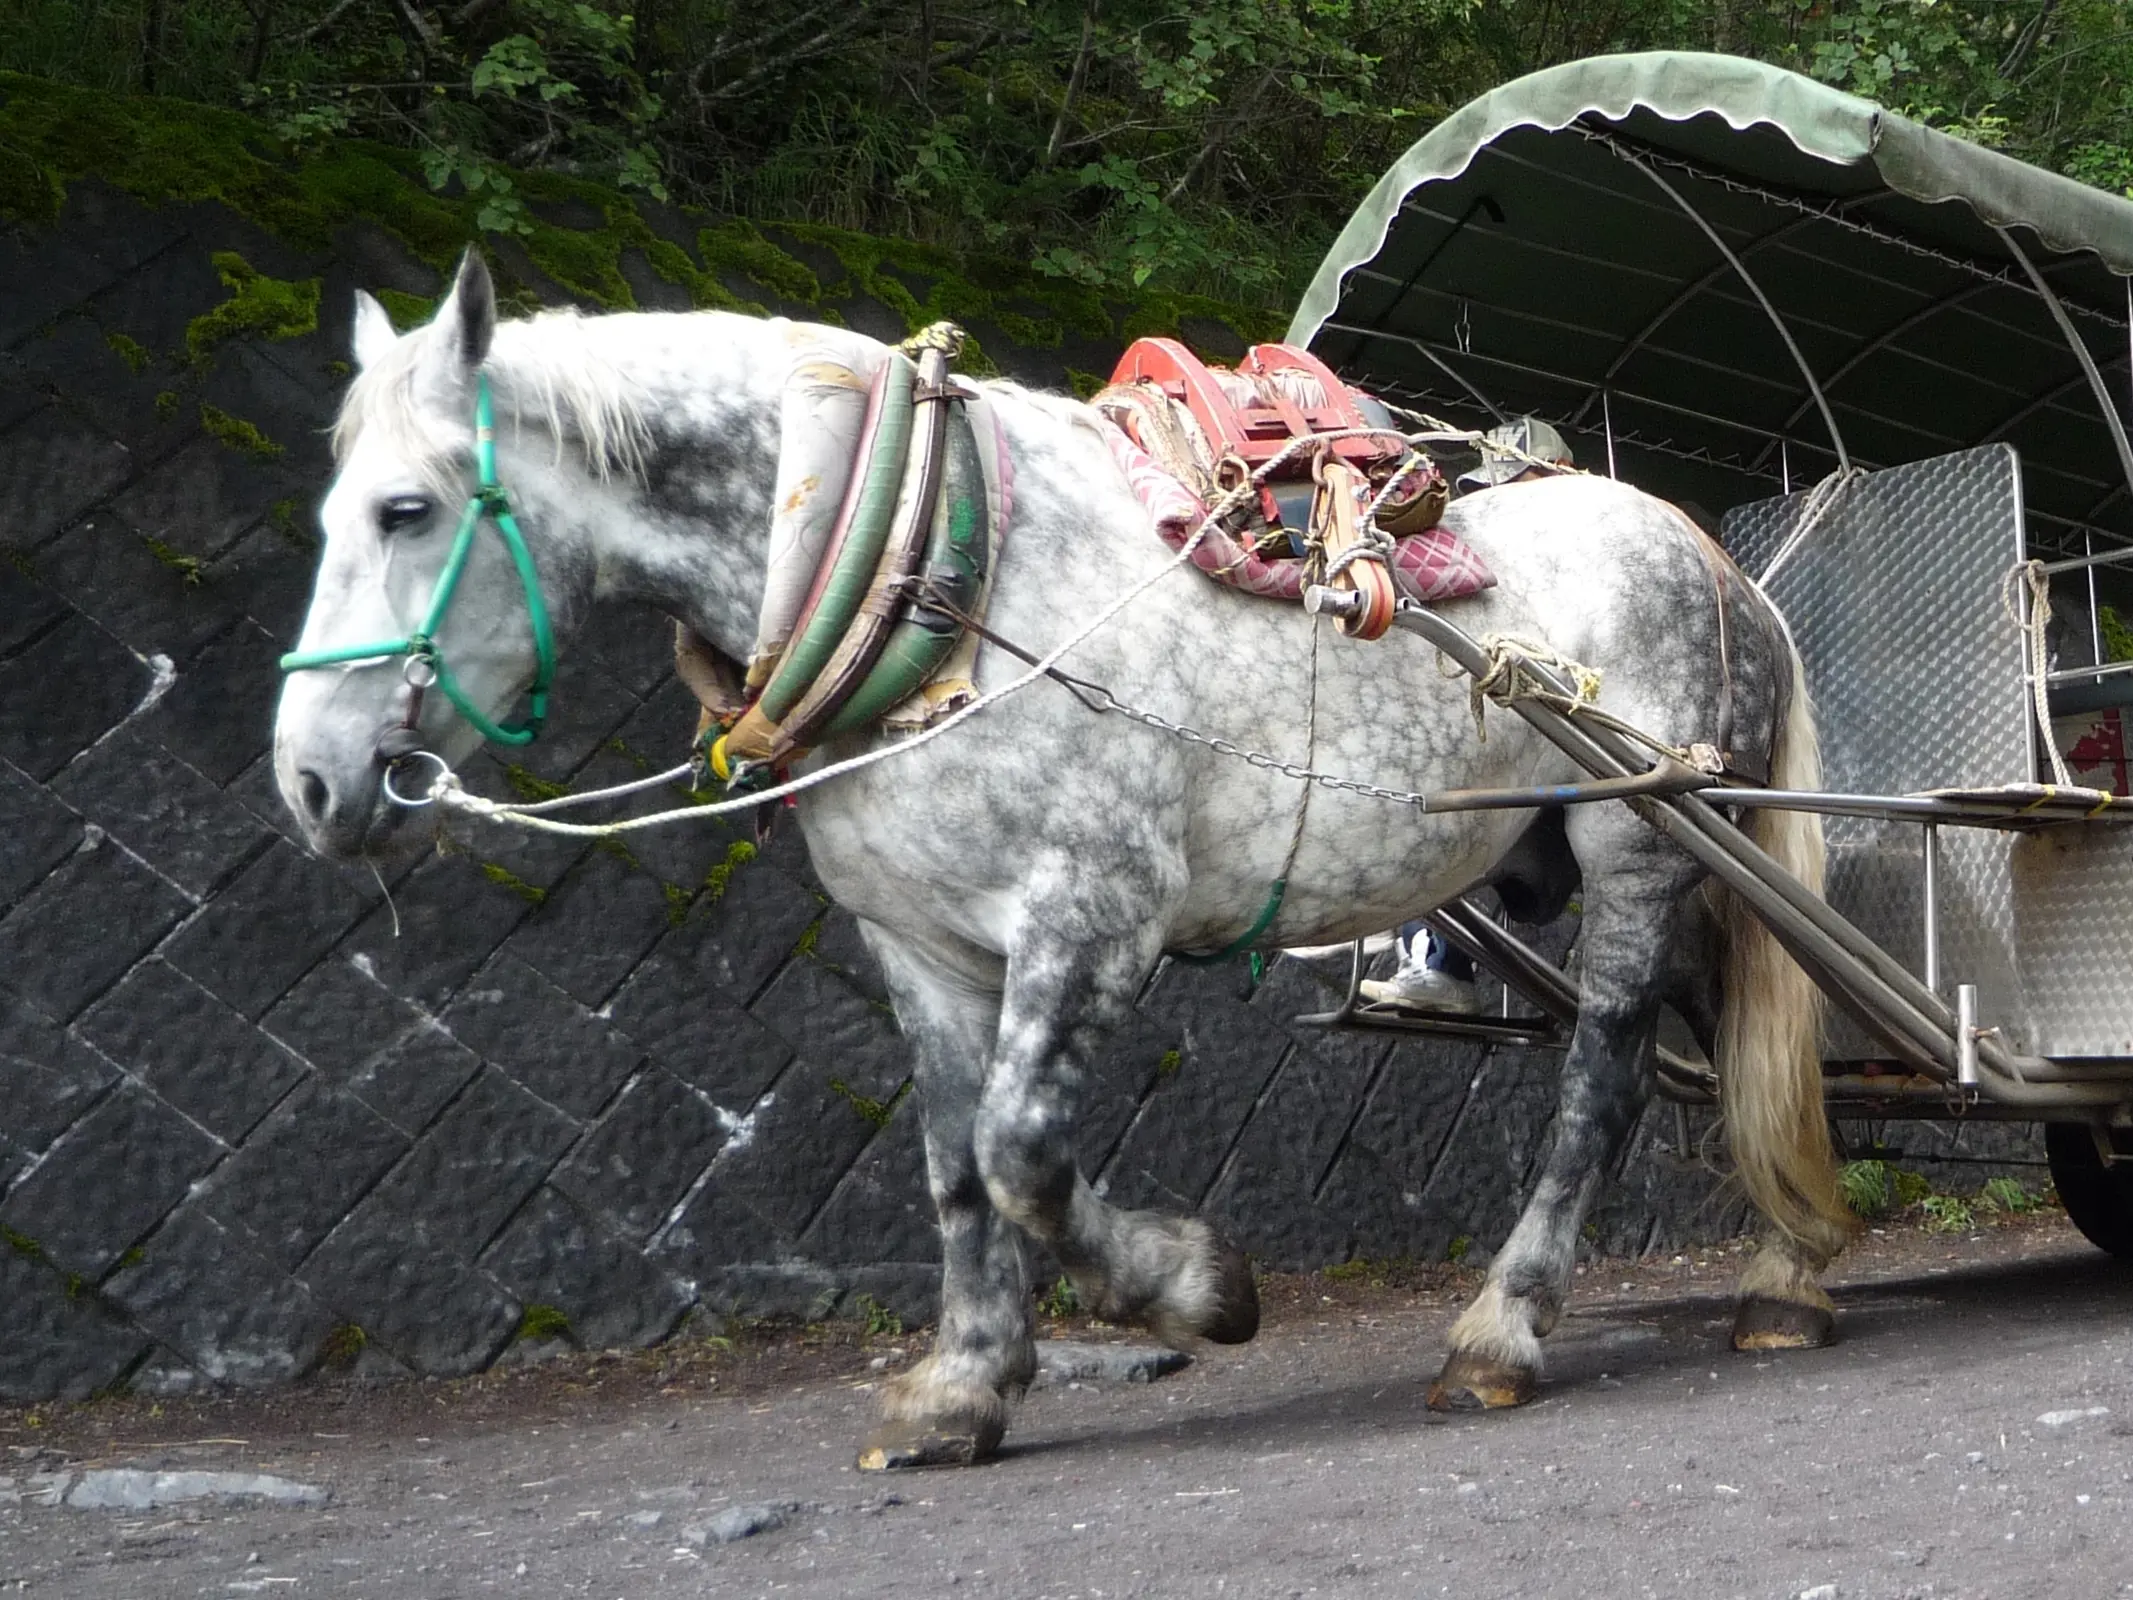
x=1301, y=771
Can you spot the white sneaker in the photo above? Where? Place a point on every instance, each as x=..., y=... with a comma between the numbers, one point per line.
x=1423, y=989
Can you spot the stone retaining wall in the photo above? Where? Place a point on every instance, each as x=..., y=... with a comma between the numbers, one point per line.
x=257, y=1114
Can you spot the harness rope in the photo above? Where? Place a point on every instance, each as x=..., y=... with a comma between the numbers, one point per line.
x=1821, y=500
x=447, y=790
x=2032, y=575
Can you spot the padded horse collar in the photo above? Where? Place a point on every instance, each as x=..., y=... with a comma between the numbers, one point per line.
x=916, y=506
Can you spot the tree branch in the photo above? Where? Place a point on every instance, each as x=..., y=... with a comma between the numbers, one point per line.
x=424, y=34
x=1223, y=133
x=262, y=25
x=340, y=9
x=819, y=45
x=720, y=50
x=1075, y=80
x=2026, y=40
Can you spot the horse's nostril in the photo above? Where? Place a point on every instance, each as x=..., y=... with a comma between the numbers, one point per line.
x=315, y=795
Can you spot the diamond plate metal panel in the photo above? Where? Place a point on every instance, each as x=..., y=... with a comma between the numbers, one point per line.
x=1916, y=672
x=2073, y=939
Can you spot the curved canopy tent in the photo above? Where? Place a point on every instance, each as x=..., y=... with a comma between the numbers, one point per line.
x=1670, y=254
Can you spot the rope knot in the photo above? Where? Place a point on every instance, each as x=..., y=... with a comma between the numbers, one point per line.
x=946, y=337
x=2033, y=576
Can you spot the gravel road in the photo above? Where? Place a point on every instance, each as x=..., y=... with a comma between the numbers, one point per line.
x=1972, y=1436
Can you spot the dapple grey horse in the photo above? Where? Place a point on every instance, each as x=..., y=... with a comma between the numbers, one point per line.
x=1020, y=877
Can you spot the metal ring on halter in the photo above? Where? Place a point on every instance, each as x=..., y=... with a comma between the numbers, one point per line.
x=395, y=795
x=422, y=665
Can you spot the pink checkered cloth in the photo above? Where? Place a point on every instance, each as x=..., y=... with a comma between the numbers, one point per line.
x=1429, y=566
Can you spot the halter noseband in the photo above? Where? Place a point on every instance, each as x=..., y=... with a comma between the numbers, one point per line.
x=420, y=647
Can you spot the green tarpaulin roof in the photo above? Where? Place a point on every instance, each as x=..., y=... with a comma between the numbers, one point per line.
x=1520, y=257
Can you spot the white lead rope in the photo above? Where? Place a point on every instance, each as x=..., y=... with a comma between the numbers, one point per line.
x=446, y=789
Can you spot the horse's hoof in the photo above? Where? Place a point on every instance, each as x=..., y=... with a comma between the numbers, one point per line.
x=1763, y=1323
x=951, y=1442
x=1471, y=1383
x=1236, y=1317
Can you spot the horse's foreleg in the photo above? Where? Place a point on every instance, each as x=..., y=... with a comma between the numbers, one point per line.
x=950, y=1409
x=1173, y=1274
x=1495, y=1357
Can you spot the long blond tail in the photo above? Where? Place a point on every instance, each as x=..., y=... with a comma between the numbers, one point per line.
x=1770, y=1030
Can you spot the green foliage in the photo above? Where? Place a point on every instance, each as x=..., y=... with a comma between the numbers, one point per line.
x=284, y=517
x=1455, y=1252
x=1876, y=1190
x=544, y=1322
x=1168, y=1066
x=875, y=1113
x=531, y=787
x=135, y=354
x=1867, y=1190
x=407, y=310
x=880, y=1320
x=678, y=902
x=738, y=855
x=504, y=878
x=236, y=433
x=2117, y=637
x=1362, y=1270
x=1060, y=1301
x=259, y=307
x=1948, y=1213
x=2007, y=1194
x=343, y=1346
x=190, y=569
x=1106, y=146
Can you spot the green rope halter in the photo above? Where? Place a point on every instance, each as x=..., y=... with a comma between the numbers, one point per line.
x=488, y=500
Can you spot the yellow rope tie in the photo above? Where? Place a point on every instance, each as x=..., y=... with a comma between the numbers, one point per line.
x=945, y=337
x=1511, y=677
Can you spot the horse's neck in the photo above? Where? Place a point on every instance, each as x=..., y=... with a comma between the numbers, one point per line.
x=691, y=536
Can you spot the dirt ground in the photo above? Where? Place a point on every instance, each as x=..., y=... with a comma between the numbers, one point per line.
x=1968, y=1437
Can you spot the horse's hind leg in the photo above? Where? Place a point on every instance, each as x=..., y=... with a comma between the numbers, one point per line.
x=1173, y=1274
x=950, y=1409
x=1495, y=1357
x=1782, y=1304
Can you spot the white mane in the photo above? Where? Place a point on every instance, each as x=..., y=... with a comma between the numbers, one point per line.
x=547, y=370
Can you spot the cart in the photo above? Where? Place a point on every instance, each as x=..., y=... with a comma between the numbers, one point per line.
x=1886, y=366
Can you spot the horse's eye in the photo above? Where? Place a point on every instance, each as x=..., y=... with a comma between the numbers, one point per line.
x=403, y=511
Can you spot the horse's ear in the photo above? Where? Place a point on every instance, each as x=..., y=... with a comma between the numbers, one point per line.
x=467, y=319
x=373, y=334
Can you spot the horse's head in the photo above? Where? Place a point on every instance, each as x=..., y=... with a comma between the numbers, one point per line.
x=430, y=615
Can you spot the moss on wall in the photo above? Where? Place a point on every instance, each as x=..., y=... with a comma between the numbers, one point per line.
x=167, y=151
x=259, y=307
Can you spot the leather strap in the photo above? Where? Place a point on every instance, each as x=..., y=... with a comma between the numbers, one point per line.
x=863, y=641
